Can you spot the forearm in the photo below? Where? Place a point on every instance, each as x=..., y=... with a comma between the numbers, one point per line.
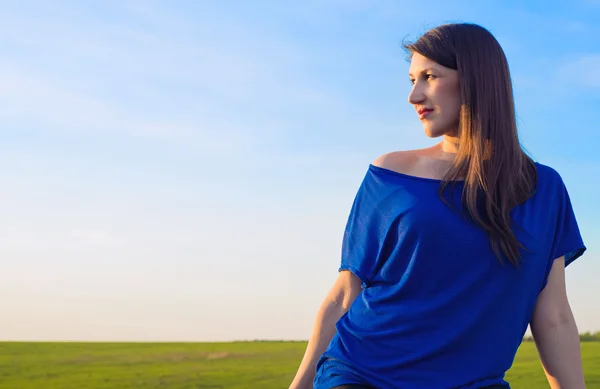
x=323, y=331
x=560, y=352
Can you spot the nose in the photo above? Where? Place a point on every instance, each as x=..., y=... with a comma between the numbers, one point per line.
x=416, y=95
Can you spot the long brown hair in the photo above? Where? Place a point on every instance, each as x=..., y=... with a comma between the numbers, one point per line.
x=497, y=173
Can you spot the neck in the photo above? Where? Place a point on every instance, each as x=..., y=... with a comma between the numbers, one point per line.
x=450, y=144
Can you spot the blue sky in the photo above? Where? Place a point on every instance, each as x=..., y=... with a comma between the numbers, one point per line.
x=184, y=170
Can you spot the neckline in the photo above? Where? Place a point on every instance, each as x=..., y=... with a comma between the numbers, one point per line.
x=411, y=177
x=417, y=178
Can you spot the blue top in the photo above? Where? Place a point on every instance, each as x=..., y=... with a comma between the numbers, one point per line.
x=437, y=309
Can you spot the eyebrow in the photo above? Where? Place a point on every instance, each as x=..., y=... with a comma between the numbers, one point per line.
x=423, y=71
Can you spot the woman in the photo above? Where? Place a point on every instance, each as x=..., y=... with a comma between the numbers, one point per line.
x=451, y=251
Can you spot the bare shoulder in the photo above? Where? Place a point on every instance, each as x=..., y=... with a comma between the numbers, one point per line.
x=400, y=161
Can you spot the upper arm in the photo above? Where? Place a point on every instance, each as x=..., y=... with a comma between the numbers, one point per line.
x=345, y=290
x=552, y=306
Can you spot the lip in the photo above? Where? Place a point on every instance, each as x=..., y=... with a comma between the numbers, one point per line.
x=423, y=112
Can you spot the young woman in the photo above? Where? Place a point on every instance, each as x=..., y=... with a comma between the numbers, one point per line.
x=451, y=251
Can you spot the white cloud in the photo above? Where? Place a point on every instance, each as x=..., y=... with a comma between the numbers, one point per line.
x=95, y=237
x=220, y=89
x=543, y=22
x=29, y=98
x=77, y=240
x=217, y=87
x=583, y=70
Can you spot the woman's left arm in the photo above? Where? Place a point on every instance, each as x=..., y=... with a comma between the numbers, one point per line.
x=555, y=333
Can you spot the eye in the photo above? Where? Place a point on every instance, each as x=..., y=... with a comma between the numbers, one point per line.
x=431, y=76
x=412, y=81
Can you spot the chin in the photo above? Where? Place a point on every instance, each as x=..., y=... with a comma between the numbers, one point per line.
x=433, y=133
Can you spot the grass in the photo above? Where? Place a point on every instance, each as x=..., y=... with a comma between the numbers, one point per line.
x=237, y=365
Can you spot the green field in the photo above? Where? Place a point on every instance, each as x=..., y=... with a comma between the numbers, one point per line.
x=243, y=365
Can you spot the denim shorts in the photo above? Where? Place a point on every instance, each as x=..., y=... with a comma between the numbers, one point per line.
x=370, y=387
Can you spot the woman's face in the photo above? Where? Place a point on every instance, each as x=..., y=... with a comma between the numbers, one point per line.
x=435, y=95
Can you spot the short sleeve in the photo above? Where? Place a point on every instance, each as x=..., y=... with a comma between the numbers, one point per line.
x=364, y=234
x=567, y=240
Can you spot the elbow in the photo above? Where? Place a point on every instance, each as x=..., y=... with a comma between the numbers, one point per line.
x=342, y=302
x=348, y=299
x=557, y=319
x=344, y=292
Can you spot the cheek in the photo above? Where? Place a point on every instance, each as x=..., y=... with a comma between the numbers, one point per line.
x=449, y=100
x=455, y=107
